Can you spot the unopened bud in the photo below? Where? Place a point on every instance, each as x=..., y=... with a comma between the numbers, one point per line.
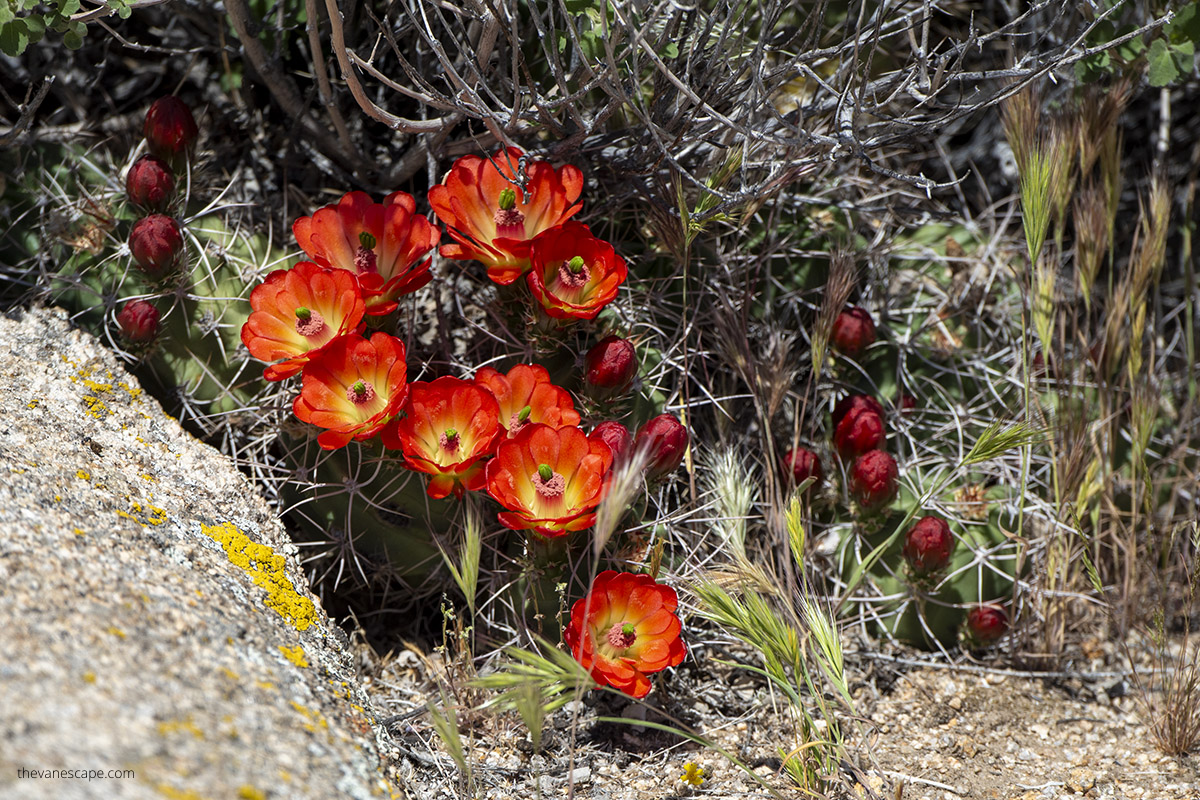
x=156, y=242
x=170, y=127
x=138, y=321
x=150, y=183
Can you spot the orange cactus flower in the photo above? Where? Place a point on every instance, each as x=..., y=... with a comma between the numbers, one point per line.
x=297, y=313
x=450, y=428
x=382, y=243
x=549, y=479
x=574, y=273
x=354, y=388
x=526, y=397
x=625, y=629
x=493, y=218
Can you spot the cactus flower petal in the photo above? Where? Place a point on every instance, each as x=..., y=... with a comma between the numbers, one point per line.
x=492, y=220
x=382, y=243
x=564, y=502
x=626, y=629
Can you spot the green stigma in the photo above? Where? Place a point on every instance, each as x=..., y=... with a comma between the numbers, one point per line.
x=451, y=433
x=367, y=240
x=508, y=199
x=359, y=388
x=627, y=629
x=303, y=313
x=523, y=414
x=575, y=265
x=544, y=472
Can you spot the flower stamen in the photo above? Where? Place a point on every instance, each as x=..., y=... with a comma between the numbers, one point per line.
x=548, y=483
x=519, y=420
x=574, y=274
x=449, y=440
x=309, y=322
x=622, y=636
x=360, y=392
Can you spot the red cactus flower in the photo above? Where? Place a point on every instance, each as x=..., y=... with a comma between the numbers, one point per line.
x=853, y=331
x=382, y=243
x=802, y=464
x=987, y=622
x=616, y=436
x=611, y=364
x=493, y=219
x=626, y=629
x=855, y=402
x=138, y=321
x=156, y=242
x=354, y=387
x=927, y=546
x=574, y=274
x=859, y=431
x=526, y=397
x=874, y=479
x=297, y=313
x=170, y=127
x=450, y=427
x=549, y=479
x=150, y=183
x=665, y=441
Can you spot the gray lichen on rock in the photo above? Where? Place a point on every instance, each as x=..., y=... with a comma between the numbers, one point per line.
x=155, y=615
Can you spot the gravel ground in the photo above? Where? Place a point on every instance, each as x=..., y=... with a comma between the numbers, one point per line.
x=930, y=732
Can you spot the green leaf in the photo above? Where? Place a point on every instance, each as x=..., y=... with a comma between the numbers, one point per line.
x=14, y=37
x=1130, y=50
x=1163, y=69
x=671, y=50
x=1186, y=25
x=1093, y=68
x=73, y=38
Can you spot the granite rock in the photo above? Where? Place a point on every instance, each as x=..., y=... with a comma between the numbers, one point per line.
x=157, y=628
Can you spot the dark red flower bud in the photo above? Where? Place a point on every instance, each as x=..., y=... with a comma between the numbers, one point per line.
x=874, y=479
x=616, y=436
x=170, y=127
x=156, y=242
x=665, y=440
x=138, y=321
x=802, y=464
x=987, y=623
x=150, y=183
x=858, y=432
x=927, y=546
x=855, y=402
x=907, y=403
x=611, y=364
x=853, y=331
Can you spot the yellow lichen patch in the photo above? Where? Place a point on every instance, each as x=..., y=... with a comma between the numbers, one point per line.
x=83, y=475
x=268, y=570
x=58, y=498
x=180, y=726
x=115, y=631
x=250, y=793
x=96, y=408
x=89, y=677
x=32, y=404
x=265, y=685
x=148, y=477
x=316, y=718
x=295, y=655
x=171, y=793
x=228, y=673
x=79, y=532
x=148, y=515
x=16, y=470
